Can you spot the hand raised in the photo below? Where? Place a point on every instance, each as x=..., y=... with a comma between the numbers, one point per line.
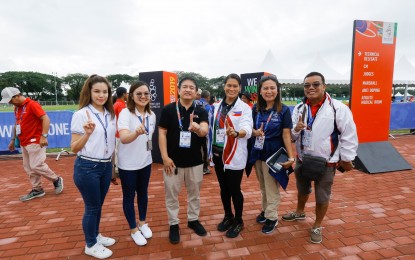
x=193, y=126
x=229, y=129
x=260, y=131
x=89, y=126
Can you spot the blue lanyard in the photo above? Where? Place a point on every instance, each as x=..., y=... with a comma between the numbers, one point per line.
x=310, y=119
x=102, y=124
x=178, y=114
x=21, y=114
x=266, y=124
x=145, y=127
x=217, y=123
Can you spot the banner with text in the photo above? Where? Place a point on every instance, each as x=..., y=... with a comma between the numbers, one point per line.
x=59, y=130
x=250, y=84
x=371, y=80
x=163, y=91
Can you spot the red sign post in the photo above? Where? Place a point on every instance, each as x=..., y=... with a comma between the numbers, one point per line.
x=372, y=75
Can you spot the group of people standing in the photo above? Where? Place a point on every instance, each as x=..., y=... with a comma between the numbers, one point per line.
x=235, y=134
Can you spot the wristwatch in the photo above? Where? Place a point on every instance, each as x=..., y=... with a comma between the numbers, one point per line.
x=237, y=134
x=45, y=135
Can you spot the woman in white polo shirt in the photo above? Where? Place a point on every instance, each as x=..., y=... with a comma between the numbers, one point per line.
x=136, y=125
x=93, y=139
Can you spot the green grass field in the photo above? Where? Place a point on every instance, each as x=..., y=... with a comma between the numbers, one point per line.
x=10, y=108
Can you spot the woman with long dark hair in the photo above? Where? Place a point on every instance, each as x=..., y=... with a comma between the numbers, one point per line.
x=93, y=139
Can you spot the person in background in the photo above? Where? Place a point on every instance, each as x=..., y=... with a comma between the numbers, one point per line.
x=246, y=97
x=136, y=127
x=323, y=127
x=182, y=128
x=272, y=130
x=31, y=129
x=119, y=104
x=93, y=140
x=230, y=127
x=204, y=102
x=198, y=94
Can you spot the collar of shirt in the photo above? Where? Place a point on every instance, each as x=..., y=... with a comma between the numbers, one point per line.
x=315, y=108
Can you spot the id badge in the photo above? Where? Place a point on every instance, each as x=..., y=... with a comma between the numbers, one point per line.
x=18, y=130
x=220, y=136
x=185, y=137
x=308, y=139
x=259, y=142
x=149, y=145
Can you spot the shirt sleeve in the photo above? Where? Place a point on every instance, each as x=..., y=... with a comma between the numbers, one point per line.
x=203, y=115
x=286, y=118
x=124, y=120
x=77, y=123
x=348, y=137
x=37, y=109
x=164, y=119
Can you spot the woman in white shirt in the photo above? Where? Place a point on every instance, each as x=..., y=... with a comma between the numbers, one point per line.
x=136, y=126
x=93, y=139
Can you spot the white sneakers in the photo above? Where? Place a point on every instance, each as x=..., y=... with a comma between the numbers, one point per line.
x=98, y=251
x=105, y=241
x=139, y=238
x=146, y=231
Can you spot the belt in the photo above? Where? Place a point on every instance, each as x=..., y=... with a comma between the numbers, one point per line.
x=329, y=164
x=94, y=159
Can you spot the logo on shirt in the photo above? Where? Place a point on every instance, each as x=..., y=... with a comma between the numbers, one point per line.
x=237, y=113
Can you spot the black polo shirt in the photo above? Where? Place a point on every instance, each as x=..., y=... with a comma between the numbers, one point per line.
x=183, y=157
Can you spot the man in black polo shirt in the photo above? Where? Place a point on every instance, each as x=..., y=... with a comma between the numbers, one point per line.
x=182, y=127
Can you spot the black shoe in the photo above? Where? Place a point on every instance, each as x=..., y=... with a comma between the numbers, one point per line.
x=197, y=227
x=235, y=230
x=174, y=234
x=269, y=226
x=225, y=224
x=261, y=217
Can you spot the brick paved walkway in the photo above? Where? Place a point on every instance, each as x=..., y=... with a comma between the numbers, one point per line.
x=370, y=217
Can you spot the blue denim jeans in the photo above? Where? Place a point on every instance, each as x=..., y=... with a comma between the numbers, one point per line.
x=92, y=180
x=133, y=182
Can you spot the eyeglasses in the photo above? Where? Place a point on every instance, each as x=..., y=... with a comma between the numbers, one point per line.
x=269, y=77
x=140, y=94
x=314, y=84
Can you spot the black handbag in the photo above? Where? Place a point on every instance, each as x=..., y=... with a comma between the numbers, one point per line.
x=313, y=167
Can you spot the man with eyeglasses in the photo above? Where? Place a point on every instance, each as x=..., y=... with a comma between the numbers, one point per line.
x=31, y=131
x=182, y=128
x=119, y=105
x=323, y=128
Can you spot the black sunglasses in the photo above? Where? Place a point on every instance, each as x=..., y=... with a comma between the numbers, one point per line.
x=314, y=84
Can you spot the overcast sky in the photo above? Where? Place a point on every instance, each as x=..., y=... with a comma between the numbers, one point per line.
x=210, y=37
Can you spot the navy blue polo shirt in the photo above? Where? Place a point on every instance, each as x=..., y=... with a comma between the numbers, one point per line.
x=273, y=133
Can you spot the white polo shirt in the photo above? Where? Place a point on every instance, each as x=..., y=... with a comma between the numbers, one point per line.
x=97, y=145
x=134, y=156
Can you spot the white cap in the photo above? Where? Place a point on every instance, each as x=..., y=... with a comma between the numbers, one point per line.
x=8, y=93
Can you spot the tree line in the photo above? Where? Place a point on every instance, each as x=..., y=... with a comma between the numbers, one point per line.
x=40, y=86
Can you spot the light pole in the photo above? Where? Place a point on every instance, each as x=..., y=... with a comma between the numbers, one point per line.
x=55, y=74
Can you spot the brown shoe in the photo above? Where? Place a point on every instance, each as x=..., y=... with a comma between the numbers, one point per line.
x=114, y=181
